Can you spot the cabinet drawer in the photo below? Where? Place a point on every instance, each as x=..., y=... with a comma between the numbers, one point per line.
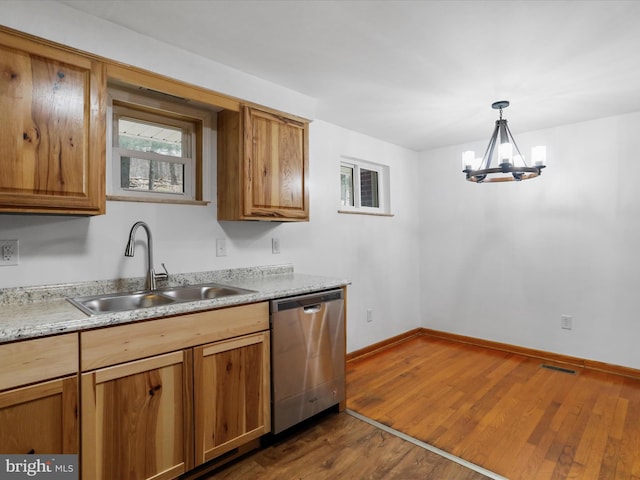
x=112, y=345
x=36, y=360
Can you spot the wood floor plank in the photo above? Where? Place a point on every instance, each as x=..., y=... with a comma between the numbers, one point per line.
x=340, y=446
x=503, y=411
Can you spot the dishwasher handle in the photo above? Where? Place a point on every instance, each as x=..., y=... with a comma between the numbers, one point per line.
x=304, y=301
x=310, y=309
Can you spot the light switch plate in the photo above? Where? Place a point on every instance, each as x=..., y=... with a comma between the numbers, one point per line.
x=221, y=247
x=275, y=245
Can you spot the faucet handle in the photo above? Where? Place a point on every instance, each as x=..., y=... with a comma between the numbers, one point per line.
x=162, y=276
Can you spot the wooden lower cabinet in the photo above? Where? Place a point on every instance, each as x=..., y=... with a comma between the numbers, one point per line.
x=159, y=417
x=231, y=394
x=40, y=418
x=39, y=396
x=136, y=419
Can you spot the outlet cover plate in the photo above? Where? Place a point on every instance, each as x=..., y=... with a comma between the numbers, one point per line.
x=8, y=252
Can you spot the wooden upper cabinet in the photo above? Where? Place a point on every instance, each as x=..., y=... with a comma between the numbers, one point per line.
x=52, y=136
x=263, y=166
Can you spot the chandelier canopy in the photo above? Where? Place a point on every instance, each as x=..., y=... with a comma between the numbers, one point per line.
x=504, y=154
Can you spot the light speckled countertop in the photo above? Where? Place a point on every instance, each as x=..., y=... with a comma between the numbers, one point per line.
x=31, y=312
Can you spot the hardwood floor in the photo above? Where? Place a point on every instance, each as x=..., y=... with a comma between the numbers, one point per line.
x=502, y=411
x=339, y=446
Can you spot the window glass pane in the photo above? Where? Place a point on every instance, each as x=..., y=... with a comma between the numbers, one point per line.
x=346, y=186
x=369, y=188
x=149, y=137
x=151, y=175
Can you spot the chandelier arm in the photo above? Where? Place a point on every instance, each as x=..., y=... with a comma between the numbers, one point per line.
x=488, y=154
x=515, y=145
x=504, y=131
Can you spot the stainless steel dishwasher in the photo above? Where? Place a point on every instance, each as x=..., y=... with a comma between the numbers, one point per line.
x=307, y=356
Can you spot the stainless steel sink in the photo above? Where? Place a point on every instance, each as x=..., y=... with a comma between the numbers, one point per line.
x=121, y=302
x=202, y=292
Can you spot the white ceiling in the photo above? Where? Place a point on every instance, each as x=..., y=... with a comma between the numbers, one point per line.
x=421, y=74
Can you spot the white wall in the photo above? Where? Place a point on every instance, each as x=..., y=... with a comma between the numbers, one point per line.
x=504, y=261
x=378, y=254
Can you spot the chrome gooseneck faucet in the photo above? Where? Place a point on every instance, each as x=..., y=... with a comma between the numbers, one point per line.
x=152, y=276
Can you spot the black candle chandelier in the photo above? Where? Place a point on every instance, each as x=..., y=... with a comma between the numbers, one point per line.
x=503, y=152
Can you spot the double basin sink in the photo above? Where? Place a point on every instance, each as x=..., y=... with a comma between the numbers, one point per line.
x=121, y=302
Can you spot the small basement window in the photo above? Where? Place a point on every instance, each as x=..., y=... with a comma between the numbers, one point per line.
x=364, y=187
x=157, y=150
x=154, y=156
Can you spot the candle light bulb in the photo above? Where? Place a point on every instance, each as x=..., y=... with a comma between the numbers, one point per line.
x=505, y=151
x=468, y=158
x=539, y=155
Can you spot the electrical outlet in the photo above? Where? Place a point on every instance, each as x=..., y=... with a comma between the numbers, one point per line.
x=9, y=252
x=221, y=247
x=566, y=322
x=275, y=245
x=369, y=315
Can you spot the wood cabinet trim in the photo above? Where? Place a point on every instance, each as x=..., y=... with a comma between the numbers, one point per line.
x=119, y=344
x=137, y=366
x=236, y=442
x=131, y=75
x=282, y=116
x=170, y=473
x=45, y=48
x=31, y=392
x=38, y=360
x=89, y=433
x=232, y=343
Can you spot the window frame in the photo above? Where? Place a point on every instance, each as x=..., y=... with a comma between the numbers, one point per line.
x=159, y=108
x=383, y=187
x=187, y=159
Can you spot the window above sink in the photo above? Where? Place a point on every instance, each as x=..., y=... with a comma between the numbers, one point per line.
x=159, y=146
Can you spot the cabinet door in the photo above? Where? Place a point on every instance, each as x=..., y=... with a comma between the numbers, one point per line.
x=52, y=137
x=231, y=394
x=136, y=419
x=40, y=419
x=276, y=166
